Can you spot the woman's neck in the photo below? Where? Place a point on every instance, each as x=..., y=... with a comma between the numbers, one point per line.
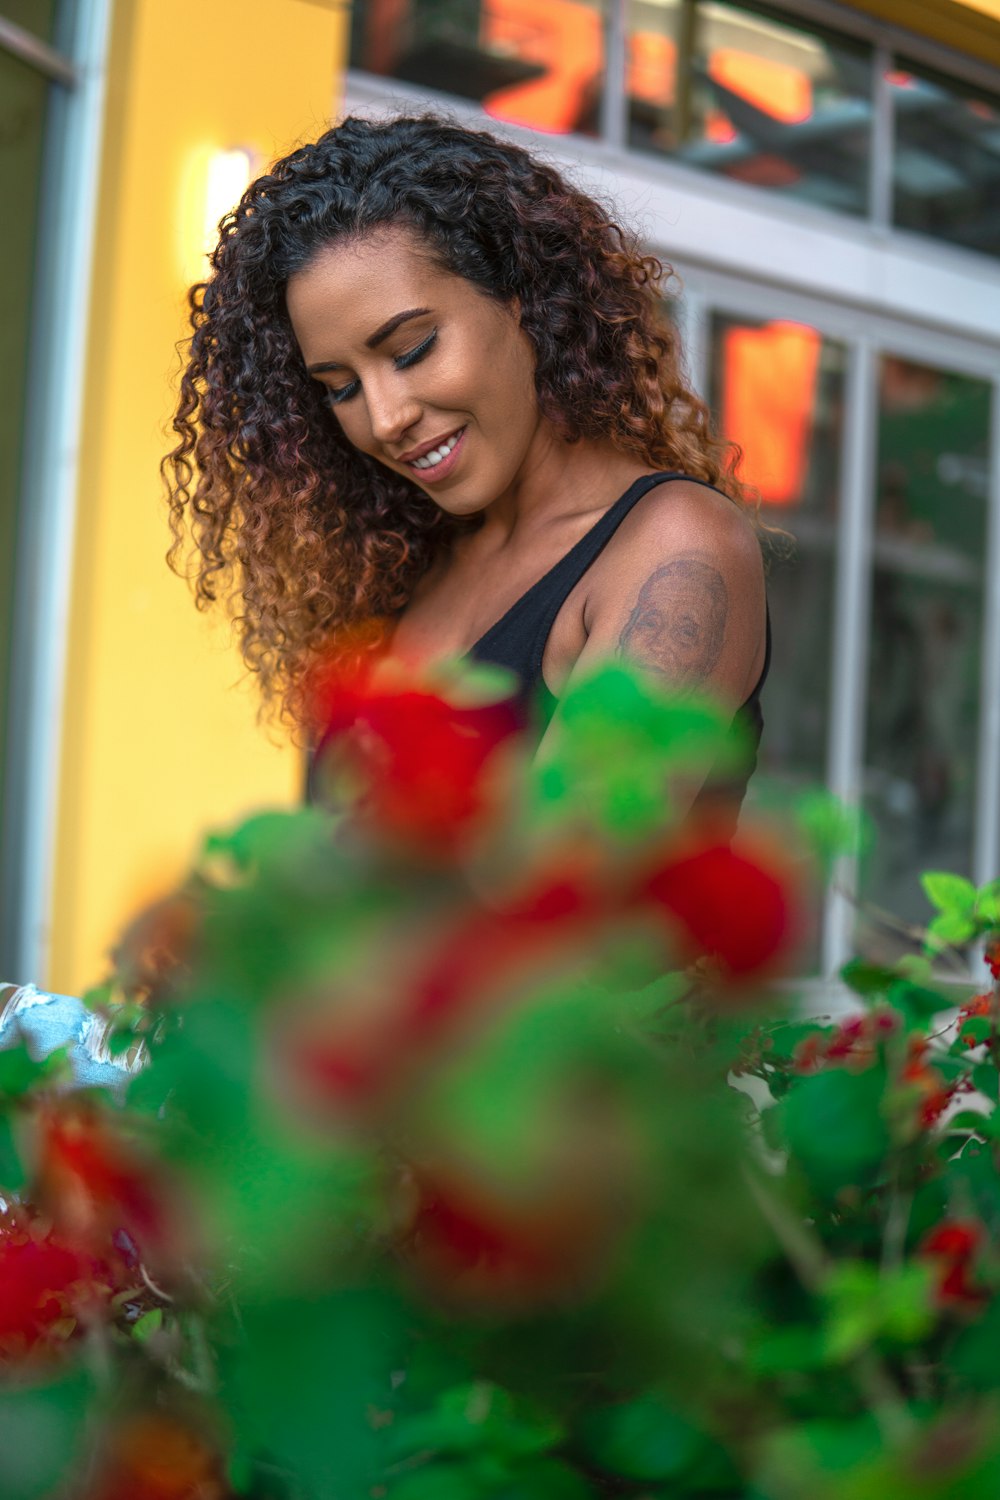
x=557, y=482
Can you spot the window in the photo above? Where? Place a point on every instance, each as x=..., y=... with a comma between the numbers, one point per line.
x=538, y=63
x=777, y=389
x=924, y=699
x=736, y=91
x=946, y=160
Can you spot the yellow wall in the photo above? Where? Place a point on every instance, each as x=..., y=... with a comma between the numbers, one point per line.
x=160, y=739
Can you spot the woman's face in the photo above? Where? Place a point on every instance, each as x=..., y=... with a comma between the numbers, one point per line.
x=424, y=372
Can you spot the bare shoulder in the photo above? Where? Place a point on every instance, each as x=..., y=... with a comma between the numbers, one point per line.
x=680, y=589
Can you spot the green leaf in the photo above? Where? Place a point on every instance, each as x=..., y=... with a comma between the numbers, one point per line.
x=834, y=1127
x=867, y=979
x=915, y=1002
x=974, y=1356
x=307, y=1380
x=18, y=1071
x=437, y=1482
x=786, y=1349
x=642, y=1440
x=988, y=903
x=151, y=1322
x=41, y=1430
x=987, y=1080
x=976, y=1030
x=832, y=828
x=949, y=893
x=478, y=1415
x=12, y=1174
x=950, y=930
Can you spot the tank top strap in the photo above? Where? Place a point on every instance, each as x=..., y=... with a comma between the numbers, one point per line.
x=567, y=573
x=518, y=638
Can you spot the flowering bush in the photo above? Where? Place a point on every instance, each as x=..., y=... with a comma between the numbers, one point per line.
x=435, y=1184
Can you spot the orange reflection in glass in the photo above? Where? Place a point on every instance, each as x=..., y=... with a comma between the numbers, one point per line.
x=775, y=88
x=563, y=37
x=768, y=394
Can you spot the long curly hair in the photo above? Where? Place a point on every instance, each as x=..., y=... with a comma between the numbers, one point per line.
x=301, y=533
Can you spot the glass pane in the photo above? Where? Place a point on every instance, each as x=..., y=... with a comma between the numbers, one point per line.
x=777, y=390
x=531, y=62
x=36, y=16
x=735, y=90
x=946, y=160
x=23, y=98
x=927, y=620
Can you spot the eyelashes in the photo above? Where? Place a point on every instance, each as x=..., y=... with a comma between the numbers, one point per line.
x=401, y=361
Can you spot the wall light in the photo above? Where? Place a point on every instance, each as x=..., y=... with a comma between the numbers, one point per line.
x=213, y=184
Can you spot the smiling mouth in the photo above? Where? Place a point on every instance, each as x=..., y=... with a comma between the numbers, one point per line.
x=437, y=455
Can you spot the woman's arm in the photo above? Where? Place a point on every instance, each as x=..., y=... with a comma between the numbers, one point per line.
x=679, y=591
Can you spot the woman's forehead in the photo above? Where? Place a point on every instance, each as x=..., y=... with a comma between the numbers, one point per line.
x=350, y=288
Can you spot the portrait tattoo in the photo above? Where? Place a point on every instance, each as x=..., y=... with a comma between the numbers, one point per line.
x=678, y=624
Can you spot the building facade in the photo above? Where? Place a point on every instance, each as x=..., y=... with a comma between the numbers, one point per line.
x=823, y=178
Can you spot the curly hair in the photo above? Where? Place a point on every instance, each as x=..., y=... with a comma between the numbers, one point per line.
x=301, y=532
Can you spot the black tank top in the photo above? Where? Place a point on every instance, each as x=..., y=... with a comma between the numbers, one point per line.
x=518, y=639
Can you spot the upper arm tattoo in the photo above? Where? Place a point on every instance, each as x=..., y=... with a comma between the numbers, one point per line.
x=678, y=624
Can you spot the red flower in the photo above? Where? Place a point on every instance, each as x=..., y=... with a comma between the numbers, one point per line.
x=993, y=955
x=155, y=1456
x=94, y=1183
x=934, y=1094
x=350, y=1054
x=979, y=1005
x=854, y=1043
x=724, y=904
x=952, y=1248
x=46, y=1282
x=424, y=763
x=484, y=1247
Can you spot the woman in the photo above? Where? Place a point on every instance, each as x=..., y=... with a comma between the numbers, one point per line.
x=431, y=381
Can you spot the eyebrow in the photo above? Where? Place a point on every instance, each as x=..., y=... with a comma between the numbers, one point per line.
x=378, y=337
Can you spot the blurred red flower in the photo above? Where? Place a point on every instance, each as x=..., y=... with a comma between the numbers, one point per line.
x=423, y=762
x=485, y=1248
x=95, y=1183
x=952, y=1247
x=727, y=905
x=155, y=1456
x=993, y=955
x=47, y=1282
x=347, y=1055
x=853, y=1044
x=933, y=1093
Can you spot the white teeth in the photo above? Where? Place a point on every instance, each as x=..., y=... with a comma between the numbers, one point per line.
x=430, y=460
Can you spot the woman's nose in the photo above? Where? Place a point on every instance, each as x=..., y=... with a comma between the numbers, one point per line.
x=392, y=411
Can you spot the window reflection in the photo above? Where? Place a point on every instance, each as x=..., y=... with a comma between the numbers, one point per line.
x=777, y=390
x=538, y=63
x=732, y=89
x=946, y=161
x=923, y=692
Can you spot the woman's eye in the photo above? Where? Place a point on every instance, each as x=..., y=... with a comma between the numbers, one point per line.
x=336, y=394
x=412, y=356
x=342, y=393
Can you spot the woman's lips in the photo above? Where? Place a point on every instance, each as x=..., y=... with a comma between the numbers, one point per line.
x=442, y=469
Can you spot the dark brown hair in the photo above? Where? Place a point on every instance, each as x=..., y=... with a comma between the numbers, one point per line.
x=301, y=532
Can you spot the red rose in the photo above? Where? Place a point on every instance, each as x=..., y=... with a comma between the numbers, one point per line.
x=346, y=1054
x=424, y=763
x=952, y=1248
x=95, y=1183
x=46, y=1282
x=723, y=904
